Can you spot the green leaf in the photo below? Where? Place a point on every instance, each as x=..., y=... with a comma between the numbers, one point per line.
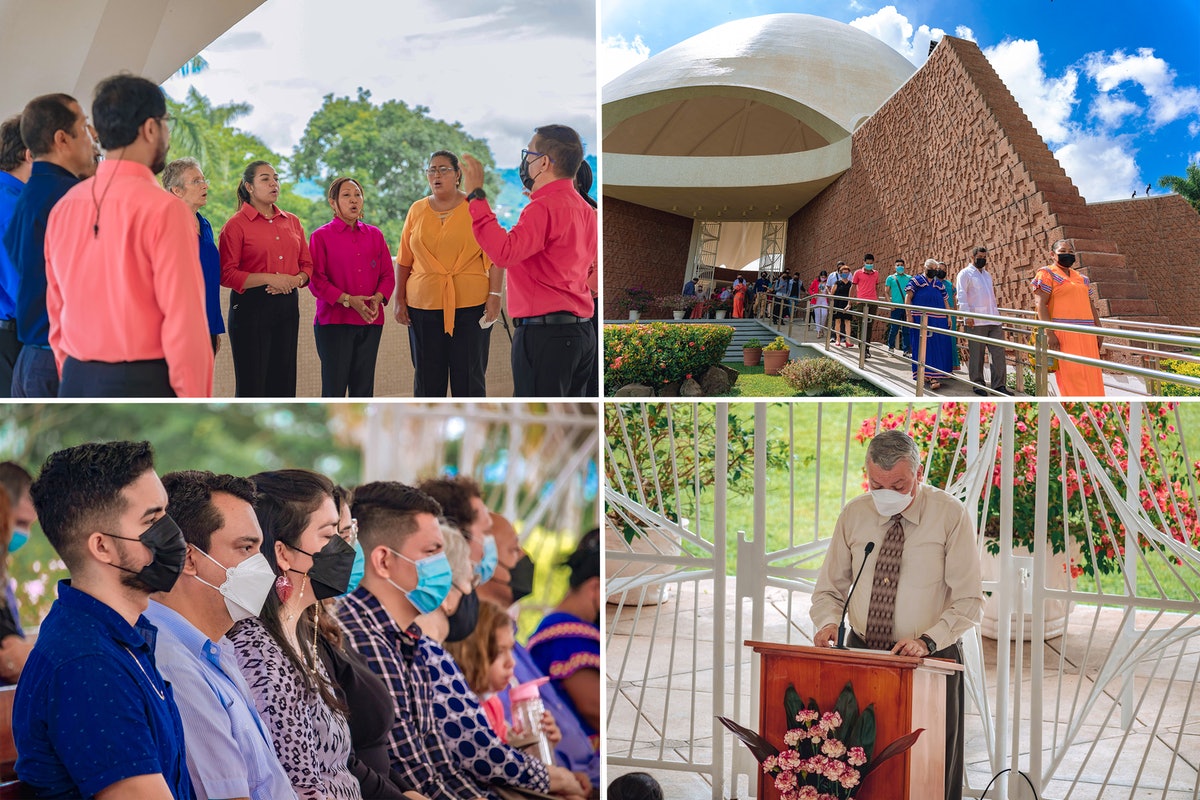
x=866, y=731
x=792, y=704
x=847, y=706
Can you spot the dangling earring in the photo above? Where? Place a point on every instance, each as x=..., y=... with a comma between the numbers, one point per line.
x=283, y=588
x=303, y=585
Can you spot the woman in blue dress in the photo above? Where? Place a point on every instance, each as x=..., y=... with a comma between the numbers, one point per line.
x=926, y=291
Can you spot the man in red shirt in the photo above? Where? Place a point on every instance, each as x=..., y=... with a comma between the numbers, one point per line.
x=125, y=293
x=866, y=287
x=547, y=255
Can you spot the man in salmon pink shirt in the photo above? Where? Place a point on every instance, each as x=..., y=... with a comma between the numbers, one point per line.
x=866, y=287
x=124, y=289
x=547, y=255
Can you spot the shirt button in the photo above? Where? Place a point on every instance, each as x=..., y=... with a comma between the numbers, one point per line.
x=281, y=258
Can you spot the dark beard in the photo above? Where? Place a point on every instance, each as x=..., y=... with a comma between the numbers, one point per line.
x=132, y=580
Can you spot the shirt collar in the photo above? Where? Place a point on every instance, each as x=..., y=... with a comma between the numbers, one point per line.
x=50, y=168
x=141, y=635
x=340, y=225
x=250, y=212
x=111, y=168
x=11, y=182
x=555, y=186
x=176, y=626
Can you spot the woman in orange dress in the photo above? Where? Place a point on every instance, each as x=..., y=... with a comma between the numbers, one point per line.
x=445, y=286
x=1063, y=295
x=739, y=298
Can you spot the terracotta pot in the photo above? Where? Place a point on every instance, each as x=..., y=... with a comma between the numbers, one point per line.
x=752, y=356
x=773, y=361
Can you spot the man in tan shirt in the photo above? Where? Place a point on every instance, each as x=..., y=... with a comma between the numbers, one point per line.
x=938, y=590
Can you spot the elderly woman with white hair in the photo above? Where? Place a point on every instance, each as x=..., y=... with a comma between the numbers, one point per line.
x=926, y=291
x=184, y=179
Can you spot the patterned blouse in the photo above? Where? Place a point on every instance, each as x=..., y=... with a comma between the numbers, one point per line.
x=311, y=740
x=562, y=645
x=468, y=733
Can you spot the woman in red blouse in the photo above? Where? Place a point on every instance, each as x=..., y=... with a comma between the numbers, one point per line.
x=264, y=260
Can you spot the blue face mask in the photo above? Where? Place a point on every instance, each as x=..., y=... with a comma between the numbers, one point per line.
x=900, y=269
x=434, y=580
x=357, y=570
x=18, y=540
x=486, y=568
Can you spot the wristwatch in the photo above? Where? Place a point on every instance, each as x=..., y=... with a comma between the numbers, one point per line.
x=929, y=643
x=477, y=194
x=345, y=300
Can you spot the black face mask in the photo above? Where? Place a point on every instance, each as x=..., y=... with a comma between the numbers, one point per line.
x=941, y=274
x=520, y=578
x=331, y=568
x=464, y=619
x=980, y=262
x=168, y=549
x=523, y=171
x=1066, y=259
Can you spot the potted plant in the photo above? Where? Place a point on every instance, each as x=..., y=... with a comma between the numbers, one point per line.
x=775, y=355
x=752, y=353
x=679, y=304
x=721, y=306
x=635, y=301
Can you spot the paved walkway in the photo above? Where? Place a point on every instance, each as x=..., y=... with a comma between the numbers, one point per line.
x=663, y=708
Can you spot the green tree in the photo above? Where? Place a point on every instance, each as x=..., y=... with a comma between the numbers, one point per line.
x=385, y=148
x=1188, y=187
x=206, y=133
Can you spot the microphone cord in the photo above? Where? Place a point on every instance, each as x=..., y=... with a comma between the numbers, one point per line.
x=1001, y=772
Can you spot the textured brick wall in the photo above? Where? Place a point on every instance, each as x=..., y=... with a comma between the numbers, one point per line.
x=1160, y=239
x=642, y=246
x=948, y=162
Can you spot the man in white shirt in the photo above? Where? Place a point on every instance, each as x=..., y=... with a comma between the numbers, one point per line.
x=976, y=296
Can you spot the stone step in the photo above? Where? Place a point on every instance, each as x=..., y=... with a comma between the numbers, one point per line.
x=1141, y=310
x=1121, y=290
x=1109, y=260
x=1078, y=216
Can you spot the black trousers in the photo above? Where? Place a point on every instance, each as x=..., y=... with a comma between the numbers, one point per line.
x=440, y=359
x=593, y=384
x=263, y=333
x=553, y=360
x=348, y=354
x=955, y=714
x=121, y=379
x=10, y=348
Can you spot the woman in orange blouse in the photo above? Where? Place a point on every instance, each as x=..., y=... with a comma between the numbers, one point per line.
x=264, y=260
x=1063, y=295
x=445, y=286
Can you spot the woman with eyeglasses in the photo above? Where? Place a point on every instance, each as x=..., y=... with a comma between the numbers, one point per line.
x=446, y=288
x=184, y=179
x=352, y=280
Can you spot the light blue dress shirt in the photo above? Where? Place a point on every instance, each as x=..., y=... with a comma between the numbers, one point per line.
x=229, y=753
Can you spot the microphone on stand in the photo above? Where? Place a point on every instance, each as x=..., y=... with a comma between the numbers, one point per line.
x=841, y=642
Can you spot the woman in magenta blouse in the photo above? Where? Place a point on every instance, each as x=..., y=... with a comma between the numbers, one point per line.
x=264, y=260
x=352, y=280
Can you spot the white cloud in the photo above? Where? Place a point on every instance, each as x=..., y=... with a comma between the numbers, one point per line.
x=893, y=29
x=1047, y=101
x=1168, y=102
x=1194, y=128
x=1102, y=167
x=963, y=32
x=618, y=56
x=1112, y=109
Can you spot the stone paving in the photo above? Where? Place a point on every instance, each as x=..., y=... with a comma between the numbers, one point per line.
x=662, y=711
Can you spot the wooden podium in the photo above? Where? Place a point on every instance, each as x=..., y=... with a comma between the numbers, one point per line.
x=908, y=693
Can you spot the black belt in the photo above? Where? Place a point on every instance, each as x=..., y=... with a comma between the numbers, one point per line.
x=550, y=319
x=8, y=324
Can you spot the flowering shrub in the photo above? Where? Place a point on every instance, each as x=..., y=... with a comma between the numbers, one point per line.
x=828, y=755
x=658, y=353
x=815, y=375
x=635, y=298
x=1187, y=368
x=1071, y=507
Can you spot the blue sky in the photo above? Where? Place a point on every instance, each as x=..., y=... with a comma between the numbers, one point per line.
x=1112, y=86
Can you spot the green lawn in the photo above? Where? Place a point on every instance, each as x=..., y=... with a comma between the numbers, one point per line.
x=754, y=382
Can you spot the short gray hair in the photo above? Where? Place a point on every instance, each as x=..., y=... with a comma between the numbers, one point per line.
x=890, y=447
x=458, y=553
x=173, y=173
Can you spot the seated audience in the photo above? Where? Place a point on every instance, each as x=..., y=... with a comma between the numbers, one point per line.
x=93, y=717
x=225, y=578
x=635, y=786
x=14, y=646
x=278, y=651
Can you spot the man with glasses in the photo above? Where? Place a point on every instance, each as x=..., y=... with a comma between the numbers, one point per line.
x=56, y=131
x=548, y=254
x=122, y=263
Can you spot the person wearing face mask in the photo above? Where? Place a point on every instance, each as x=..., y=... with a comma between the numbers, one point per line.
x=547, y=254
x=225, y=579
x=920, y=589
x=951, y=304
x=897, y=286
x=279, y=652
x=14, y=647
x=512, y=582
x=103, y=509
x=927, y=292
x=842, y=283
x=1064, y=295
x=866, y=287
x=977, y=296
x=819, y=301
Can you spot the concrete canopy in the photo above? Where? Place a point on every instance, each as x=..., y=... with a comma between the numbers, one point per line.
x=748, y=120
x=70, y=45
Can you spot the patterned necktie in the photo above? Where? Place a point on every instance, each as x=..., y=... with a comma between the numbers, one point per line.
x=881, y=614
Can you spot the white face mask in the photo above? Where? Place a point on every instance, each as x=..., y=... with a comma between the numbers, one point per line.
x=889, y=503
x=246, y=585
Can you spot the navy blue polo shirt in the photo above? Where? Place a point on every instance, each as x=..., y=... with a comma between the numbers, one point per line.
x=91, y=708
x=25, y=241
